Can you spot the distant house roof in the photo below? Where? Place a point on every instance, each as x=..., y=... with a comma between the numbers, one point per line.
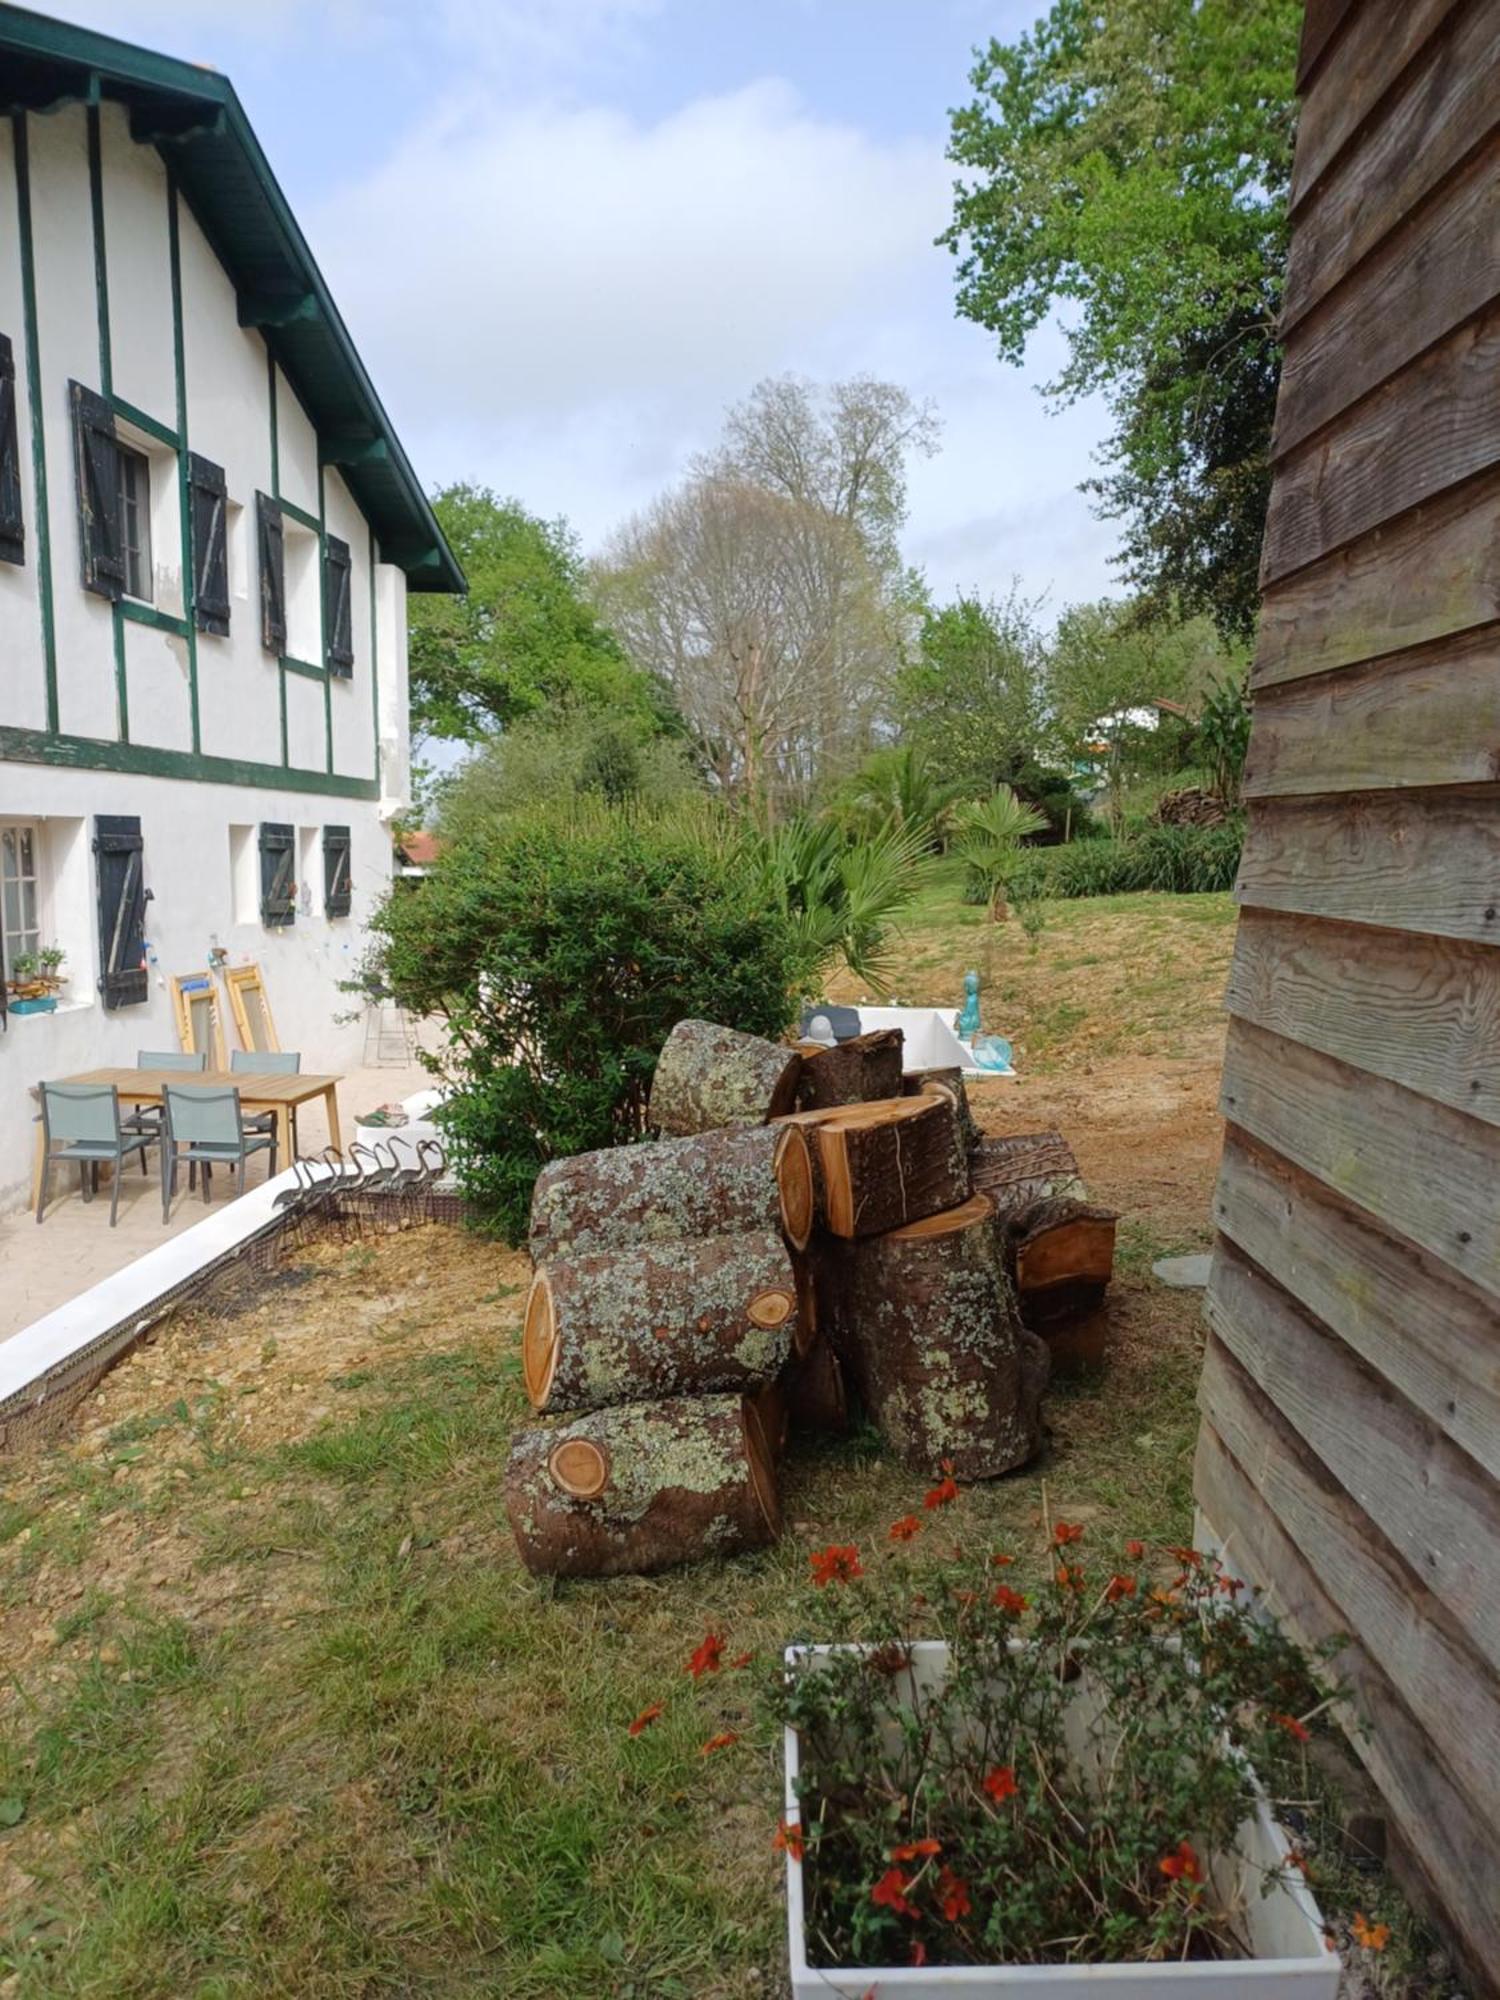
x=196, y=122
x=419, y=849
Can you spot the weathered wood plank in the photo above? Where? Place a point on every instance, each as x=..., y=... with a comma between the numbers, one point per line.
x=1427, y=1332
x=1386, y=1605
x=1438, y=1509
x=1432, y=573
x=1439, y=268
x=1375, y=49
x=1455, y=1845
x=1427, y=861
x=1428, y=1173
x=1420, y=1011
x=1434, y=424
x=1321, y=21
x=1432, y=719
x=1444, y=105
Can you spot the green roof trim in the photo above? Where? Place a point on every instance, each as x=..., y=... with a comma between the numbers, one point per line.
x=198, y=125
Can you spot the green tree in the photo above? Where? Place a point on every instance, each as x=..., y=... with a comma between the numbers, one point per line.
x=895, y=786
x=968, y=700
x=1132, y=160
x=524, y=639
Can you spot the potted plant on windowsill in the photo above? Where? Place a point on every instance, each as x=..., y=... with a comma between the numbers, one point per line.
x=36, y=978
x=1057, y=1796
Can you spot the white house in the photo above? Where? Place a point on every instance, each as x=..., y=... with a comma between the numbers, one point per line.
x=207, y=532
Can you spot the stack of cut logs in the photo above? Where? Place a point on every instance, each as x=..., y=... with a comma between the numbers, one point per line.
x=808, y=1217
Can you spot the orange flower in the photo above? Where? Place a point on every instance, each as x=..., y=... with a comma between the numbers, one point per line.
x=645, y=1719
x=1002, y=1562
x=720, y=1742
x=706, y=1658
x=1135, y=1550
x=1000, y=1783
x=838, y=1563
x=1118, y=1587
x=953, y=1896
x=1374, y=1937
x=1189, y=1558
x=789, y=1839
x=1068, y=1579
x=1293, y=1728
x=1067, y=1531
x=890, y=1893
x=904, y=1529
x=1181, y=1865
x=945, y=1490
x=917, y=1850
x=1011, y=1602
x=1231, y=1586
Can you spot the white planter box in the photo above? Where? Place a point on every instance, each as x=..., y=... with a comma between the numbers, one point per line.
x=1286, y=1957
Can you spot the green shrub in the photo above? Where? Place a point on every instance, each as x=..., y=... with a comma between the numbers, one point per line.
x=561, y=948
x=1183, y=860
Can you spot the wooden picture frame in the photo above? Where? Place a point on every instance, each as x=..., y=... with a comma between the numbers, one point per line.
x=251, y=1008
x=195, y=1005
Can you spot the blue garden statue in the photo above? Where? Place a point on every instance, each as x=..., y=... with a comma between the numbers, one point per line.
x=968, y=1020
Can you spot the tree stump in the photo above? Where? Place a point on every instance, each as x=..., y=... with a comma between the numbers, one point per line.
x=1026, y=1167
x=852, y=1072
x=697, y=1316
x=738, y=1178
x=1060, y=1256
x=642, y=1487
x=920, y=1082
x=707, y=1076
x=930, y=1332
x=885, y=1164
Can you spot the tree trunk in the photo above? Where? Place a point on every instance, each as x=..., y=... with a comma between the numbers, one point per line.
x=1060, y=1256
x=816, y=1399
x=707, y=1076
x=886, y=1164
x=919, y=1081
x=852, y=1072
x=1026, y=1167
x=738, y=1178
x=640, y=1487
x=928, y=1326
x=703, y=1315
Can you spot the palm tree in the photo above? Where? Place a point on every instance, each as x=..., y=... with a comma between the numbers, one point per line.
x=895, y=787
x=843, y=898
x=990, y=832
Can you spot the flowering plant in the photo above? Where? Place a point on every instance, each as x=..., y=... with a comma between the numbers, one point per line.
x=1059, y=1793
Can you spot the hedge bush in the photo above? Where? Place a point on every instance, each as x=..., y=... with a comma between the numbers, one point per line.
x=560, y=948
x=1184, y=860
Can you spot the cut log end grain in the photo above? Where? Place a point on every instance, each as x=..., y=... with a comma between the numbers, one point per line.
x=684, y=1478
x=709, y=1076
x=791, y=1163
x=698, y=1316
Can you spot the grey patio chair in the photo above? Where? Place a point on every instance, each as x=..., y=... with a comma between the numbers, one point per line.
x=146, y=1118
x=267, y=1062
x=203, y=1125
x=81, y=1121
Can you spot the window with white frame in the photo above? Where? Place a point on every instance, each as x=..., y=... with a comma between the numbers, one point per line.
x=20, y=891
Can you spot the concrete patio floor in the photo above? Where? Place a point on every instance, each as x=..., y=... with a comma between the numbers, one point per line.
x=74, y=1247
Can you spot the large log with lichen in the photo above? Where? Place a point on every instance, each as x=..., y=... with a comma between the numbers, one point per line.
x=692, y=1317
x=1058, y=1247
x=712, y=1183
x=1024, y=1167
x=707, y=1076
x=885, y=1164
x=641, y=1487
x=853, y=1072
x=927, y=1326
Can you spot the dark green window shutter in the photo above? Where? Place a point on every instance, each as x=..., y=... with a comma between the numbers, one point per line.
x=337, y=885
x=278, y=869
x=12, y=524
x=122, y=911
x=338, y=622
x=207, y=494
x=268, y=539
x=96, y=461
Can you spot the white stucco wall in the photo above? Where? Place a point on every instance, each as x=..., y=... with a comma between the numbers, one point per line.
x=198, y=822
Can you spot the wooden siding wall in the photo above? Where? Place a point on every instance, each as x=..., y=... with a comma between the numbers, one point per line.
x=1350, y=1449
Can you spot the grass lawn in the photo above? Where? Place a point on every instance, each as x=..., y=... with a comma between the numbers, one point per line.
x=281, y=1714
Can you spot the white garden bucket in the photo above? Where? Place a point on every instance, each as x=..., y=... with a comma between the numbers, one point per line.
x=1286, y=1957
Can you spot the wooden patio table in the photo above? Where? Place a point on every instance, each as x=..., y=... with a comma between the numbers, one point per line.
x=279, y=1094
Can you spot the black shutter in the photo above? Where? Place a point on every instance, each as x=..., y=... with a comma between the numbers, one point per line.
x=337, y=886
x=278, y=869
x=12, y=524
x=207, y=494
x=122, y=911
x=96, y=461
x=272, y=574
x=338, y=626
